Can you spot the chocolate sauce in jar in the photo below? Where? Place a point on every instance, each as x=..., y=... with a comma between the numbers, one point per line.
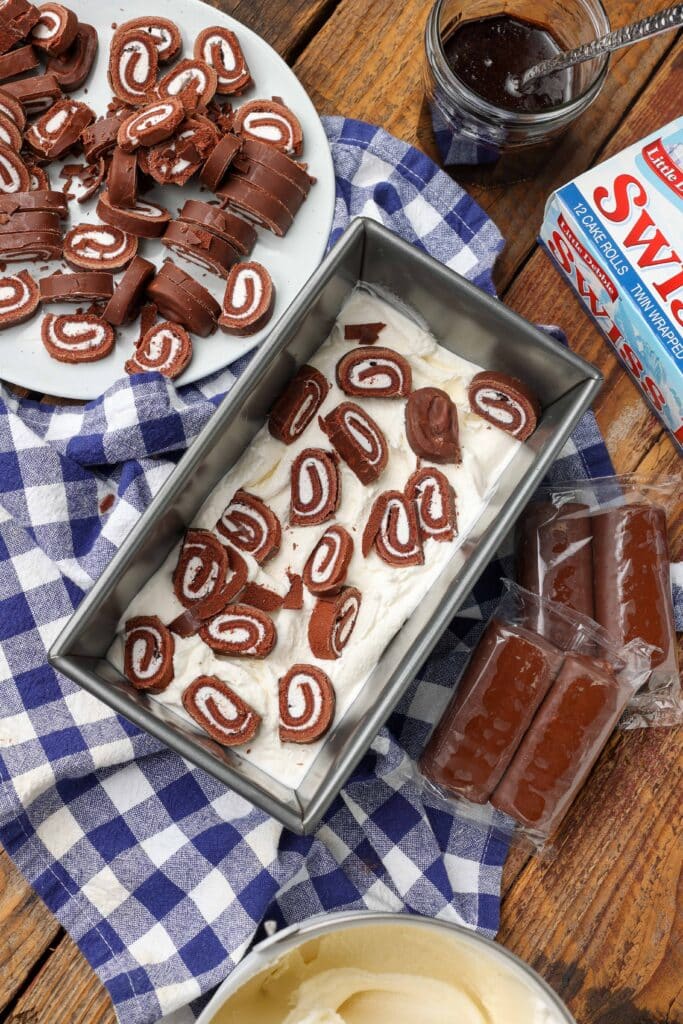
x=485, y=52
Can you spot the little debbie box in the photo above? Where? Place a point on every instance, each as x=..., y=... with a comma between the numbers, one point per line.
x=616, y=232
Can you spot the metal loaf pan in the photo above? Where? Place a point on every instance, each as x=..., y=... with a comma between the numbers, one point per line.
x=463, y=319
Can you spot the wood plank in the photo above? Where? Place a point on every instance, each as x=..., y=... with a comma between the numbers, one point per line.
x=367, y=63
x=66, y=991
x=286, y=26
x=603, y=921
x=27, y=928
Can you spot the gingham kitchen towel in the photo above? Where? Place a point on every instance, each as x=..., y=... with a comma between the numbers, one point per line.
x=162, y=876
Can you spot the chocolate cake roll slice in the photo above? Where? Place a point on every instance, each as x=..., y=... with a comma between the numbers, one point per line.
x=19, y=299
x=332, y=622
x=217, y=708
x=307, y=704
x=72, y=67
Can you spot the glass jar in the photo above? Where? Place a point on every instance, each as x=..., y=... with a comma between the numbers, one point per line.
x=502, y=144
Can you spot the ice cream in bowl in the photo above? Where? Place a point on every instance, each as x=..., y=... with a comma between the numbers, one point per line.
x=366, y=968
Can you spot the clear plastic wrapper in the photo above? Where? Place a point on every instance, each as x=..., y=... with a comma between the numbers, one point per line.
x=600, y=547
x=530, y=715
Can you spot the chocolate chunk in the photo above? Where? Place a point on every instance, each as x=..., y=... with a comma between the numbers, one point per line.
x=366, y=334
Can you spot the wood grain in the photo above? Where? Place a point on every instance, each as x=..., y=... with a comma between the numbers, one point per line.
x=286, y=26
x=66, y=991
x=367, y=62
x=26, y=929
x=602, y=922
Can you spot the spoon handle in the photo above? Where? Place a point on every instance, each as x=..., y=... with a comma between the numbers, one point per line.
x=663, y=21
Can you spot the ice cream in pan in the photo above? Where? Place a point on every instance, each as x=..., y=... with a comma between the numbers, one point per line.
x=323, y=538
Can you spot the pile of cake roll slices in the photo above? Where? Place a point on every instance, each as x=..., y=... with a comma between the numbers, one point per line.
x=168, y=121
x=234, y=615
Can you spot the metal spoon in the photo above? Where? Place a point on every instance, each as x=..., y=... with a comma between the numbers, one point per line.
x=665, y=20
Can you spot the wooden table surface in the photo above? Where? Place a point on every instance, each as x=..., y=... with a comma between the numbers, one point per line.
x=602, y=921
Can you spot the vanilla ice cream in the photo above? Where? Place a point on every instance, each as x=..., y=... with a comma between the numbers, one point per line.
x=398, y=973
x=389, y=593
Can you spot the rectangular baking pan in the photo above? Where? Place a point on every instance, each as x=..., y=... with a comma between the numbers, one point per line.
x=463, y=319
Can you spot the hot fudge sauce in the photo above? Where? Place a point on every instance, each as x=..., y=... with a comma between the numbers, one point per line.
x=485, y=52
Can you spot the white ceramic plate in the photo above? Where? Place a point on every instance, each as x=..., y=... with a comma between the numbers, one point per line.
x=291, y=260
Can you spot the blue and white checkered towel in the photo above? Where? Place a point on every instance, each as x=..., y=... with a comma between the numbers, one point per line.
x=161, y=875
